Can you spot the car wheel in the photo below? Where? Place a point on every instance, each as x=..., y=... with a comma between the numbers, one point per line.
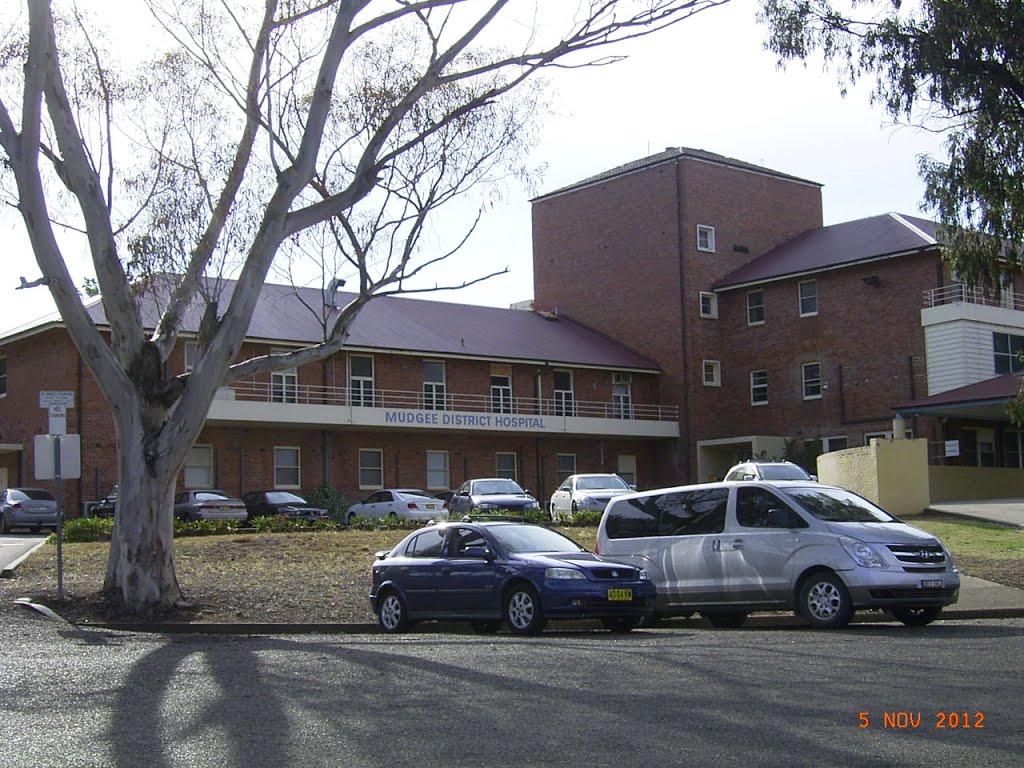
x=485, y=627
x=3, y=525
x=522, y=610
x=824, y=601
x=916, y=617
x=349, y=518
x=621, y=623
x=725, y=619
x=391, y=613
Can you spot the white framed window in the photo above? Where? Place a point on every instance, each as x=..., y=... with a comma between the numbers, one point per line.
x=705, y=238
x=565, y=465
x=191, y=355
x=198, y=469
x=433, y=385
x=284, y=384
x=709, y=305
x=622, y=396
x=811, y=375
x=564, y=399
x=505, y=465
x=808, y=298
x=360, y=380
x=755, y=307
x=287, y=468
x=501, y=388
x=835, y=443
x=371, y=468
x=437, y=471
x=712, y=373
x=759, y=387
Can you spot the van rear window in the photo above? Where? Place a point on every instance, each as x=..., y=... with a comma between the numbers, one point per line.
x=676, y=513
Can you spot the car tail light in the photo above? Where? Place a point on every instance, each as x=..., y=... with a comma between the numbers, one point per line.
x=16, y=506
x=597, y=549
x=412, y=505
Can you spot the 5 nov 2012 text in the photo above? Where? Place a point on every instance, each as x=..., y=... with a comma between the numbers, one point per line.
x=907, y=720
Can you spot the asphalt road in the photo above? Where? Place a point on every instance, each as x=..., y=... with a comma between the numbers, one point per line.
x=665, y=697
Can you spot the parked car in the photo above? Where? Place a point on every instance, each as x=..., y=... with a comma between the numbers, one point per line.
x=105, y=507
x=263, y=503
x=491, y=495
x=589, y=491
x=208, y=505
x=768, y=470
x=487, y=572
x=27, y=508
x=410, y=503
x=730, y=548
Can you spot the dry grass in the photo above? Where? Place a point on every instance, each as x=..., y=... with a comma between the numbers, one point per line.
x=325, y=577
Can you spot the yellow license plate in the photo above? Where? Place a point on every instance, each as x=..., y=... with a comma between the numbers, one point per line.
x=620, y=594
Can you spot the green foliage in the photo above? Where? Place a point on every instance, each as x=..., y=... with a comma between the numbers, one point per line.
x=954, y=67
x=88, y=529
x=384, y=523
x=330, y=498
x=804, y=453
x=583, y=518
x=286, y=524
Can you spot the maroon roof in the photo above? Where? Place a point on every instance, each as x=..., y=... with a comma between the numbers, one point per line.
x=287, y=315
x=838, y=245
x=673, y=154
x=985, y=400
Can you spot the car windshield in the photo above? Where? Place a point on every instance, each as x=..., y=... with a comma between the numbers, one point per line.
x=783, y=472
x=283, y=497
x=601, y=482
x=835, y=505
x=532, y=538
x=493, y=487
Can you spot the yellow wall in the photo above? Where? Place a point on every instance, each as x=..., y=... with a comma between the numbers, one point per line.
x=891, y=473
x=965, y=483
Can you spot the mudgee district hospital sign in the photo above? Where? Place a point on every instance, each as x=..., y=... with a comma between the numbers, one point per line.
x=467, y=420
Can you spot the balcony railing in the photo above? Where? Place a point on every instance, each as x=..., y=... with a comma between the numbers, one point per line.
x=305, y=394
x=957, y=293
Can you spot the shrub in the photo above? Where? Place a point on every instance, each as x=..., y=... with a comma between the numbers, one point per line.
x=584, y=518
x=285, y=524
x=330, y=498
x=88, y=529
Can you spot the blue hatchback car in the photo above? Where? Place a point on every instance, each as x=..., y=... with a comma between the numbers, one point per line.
x=489, y=572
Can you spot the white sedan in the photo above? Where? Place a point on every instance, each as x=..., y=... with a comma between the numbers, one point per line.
x=591, y=491
x=410, y=503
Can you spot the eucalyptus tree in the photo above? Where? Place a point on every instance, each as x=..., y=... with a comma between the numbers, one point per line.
x=256, y=128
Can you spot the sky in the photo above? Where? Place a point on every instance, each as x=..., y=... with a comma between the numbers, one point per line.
x=707, y=83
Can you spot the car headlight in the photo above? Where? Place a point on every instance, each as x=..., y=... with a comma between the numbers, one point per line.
x=586, y=501
x=533, y=505
x=487, y=507
x=642, y=575
x=863, y=554
x=563, y=573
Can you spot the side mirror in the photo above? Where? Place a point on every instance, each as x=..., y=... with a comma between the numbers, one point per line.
x=482, y=553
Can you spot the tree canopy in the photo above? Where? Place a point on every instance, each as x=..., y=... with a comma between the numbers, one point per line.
x=944, y=65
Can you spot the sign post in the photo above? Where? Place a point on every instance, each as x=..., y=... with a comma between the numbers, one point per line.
x=57, y=404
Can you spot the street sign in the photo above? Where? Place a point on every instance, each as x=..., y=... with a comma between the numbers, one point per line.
x=70, y=457
x=51, y=397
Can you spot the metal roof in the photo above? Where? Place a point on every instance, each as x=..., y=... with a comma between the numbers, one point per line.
x=287, y=315
x=984, y=400
x=674, y=154
x=834, y=246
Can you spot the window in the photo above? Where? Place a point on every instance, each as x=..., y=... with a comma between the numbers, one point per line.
x=1007, y=350
x=505, y=466
x=758, y=508
x=360, y=380
x=978, y=448
x=501, y=388
x=371, y=468
x=759, y=387
x=829, y=444
x=712, y=373
x=705, y=238
x=198, y=468
x=563, y=394
x=1013, y=443
x=808, y=290
x=565, y=465
x=433, y=385
x=286, y=468
x=679, y=513
x=191, y=355
x=3, y=376
x=437, y=470
x=627, y=469
x=755, y=307
x=284, y=384
x=426, y=544
x=708, y=304
x=622, y=396
x=811, y=374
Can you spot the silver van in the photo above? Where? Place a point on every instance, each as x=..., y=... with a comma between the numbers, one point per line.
x=726, y=549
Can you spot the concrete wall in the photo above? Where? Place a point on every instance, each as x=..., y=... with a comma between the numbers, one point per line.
x=891, y=473
x=963, y=483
